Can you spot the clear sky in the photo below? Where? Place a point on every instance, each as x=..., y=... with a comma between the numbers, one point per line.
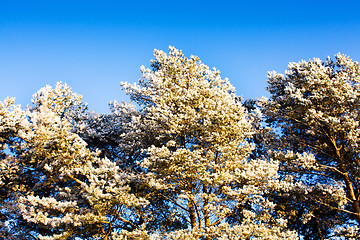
x=94, y=45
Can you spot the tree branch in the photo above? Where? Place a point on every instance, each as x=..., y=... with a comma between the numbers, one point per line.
x=174, y=202
x=227, y=215
x=335, y=208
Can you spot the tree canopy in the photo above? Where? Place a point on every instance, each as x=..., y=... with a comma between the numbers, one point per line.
x=187, y=158
x=315, y=105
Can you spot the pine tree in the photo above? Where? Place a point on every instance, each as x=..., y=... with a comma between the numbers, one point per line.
x=203, y=167
x=61, y=189
x=315, y=105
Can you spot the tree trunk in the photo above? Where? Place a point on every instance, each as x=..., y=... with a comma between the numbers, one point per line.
x=192, y=214
x=206, y=212
x=349, y=185
x=351, y=193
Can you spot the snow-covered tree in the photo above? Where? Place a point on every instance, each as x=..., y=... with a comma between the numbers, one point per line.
x=315, y=105
x=13, y=126
x=56, y=187
x=202, y=167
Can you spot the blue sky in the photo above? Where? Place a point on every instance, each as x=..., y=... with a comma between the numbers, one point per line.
x=94, y=45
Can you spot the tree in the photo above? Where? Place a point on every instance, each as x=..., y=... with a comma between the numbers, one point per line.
x=315, y=107
x=55, y=187
x=202, y=167
x=12, y=127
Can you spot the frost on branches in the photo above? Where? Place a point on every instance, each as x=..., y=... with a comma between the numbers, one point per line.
x=316, y=106
x=178, y=165
x=202, y=167
x=54, y=186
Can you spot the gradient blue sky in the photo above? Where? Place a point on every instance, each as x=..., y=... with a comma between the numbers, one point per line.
x=94, y=45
